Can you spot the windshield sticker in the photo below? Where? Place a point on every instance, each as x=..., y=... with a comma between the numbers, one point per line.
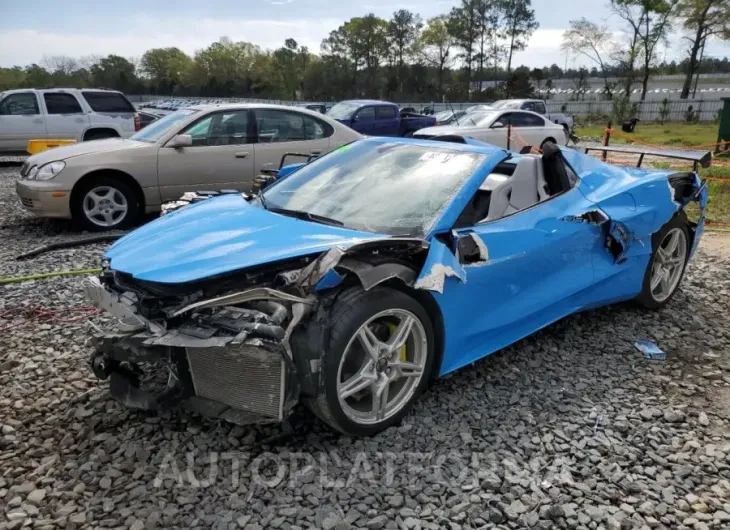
x=435, y=156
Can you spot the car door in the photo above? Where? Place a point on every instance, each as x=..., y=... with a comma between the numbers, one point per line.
x=65, y=119
x=280, y=132
x=537, y=268
x=221, y=157
x=363, y=121
x=529, y=129
x=387, y=122
x=496, y=133
x=21, y=120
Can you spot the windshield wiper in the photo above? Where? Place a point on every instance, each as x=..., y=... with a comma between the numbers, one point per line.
x=299, y=214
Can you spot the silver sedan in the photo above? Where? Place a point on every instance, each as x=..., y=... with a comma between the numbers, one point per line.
x=108, y=184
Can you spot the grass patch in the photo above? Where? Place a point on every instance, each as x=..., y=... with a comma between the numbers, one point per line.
x=669, y=134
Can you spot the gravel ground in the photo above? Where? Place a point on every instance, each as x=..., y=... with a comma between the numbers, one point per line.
x=571, y=428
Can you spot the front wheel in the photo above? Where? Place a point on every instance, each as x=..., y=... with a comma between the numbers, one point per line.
x=105, y=203
x=379, y=360
x=667, y=264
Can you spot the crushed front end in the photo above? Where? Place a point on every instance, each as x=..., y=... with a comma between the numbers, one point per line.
x=224, y=355
x=245, y=347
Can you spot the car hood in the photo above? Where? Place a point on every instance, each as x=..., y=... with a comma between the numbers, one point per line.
x=221, y=235
x=84, y=148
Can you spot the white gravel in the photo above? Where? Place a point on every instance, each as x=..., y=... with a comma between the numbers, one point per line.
x=571, y=428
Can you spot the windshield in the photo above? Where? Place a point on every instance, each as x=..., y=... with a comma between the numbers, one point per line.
x=506, y=104
x=395, y=189
x=156, y=130
x=342, y=111
x=480, y=119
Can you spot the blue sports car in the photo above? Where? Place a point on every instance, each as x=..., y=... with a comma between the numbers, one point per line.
x=355, y=279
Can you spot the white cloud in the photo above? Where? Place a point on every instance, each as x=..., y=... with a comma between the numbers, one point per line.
x=25, y=46
x=142, y=32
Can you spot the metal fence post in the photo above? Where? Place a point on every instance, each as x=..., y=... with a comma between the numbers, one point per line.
x=606, y=140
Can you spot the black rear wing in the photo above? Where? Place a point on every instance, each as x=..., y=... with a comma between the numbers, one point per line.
x=703, y=158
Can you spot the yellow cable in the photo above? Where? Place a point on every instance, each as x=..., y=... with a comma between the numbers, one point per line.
x=18, y=279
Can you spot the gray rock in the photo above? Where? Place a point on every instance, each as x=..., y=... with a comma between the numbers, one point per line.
x=35, y=497
x=515, y=509
x=376, y=523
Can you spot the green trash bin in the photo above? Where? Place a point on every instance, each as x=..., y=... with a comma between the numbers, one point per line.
x=723, y=134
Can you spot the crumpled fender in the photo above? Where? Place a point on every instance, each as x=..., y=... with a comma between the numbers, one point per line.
x=440, y=263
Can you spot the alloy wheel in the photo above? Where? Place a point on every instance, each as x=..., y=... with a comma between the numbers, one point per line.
x=105, y=206
x=382, y=366
x=669, y=261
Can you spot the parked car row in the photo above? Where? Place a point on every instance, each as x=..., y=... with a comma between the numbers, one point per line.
x=108, y=184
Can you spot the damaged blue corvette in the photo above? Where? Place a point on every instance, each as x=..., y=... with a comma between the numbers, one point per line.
x=357, y=278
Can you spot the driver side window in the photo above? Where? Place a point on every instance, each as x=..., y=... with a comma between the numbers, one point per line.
x=20, y=104
x=221, y=128
x=366, y=114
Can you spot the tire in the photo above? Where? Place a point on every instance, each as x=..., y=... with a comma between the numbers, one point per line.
x=111, y=192
x=654, y=298
x=353, y=309
x=99, y=135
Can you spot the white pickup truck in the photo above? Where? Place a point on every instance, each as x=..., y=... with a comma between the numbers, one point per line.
x=536, y=105
x=67, y=114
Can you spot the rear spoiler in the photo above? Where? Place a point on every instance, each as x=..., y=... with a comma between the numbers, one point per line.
x=703, y=158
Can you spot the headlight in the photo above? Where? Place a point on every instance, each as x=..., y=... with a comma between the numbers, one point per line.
x=32, y=173
x=50, y=170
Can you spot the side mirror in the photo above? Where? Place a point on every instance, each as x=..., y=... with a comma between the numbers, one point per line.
x=497, y=125
x=182, y=140
x=353, y=119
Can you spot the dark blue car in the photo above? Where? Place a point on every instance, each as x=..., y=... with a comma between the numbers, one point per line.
x=378, y=118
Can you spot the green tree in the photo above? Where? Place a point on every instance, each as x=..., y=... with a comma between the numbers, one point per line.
x=115, y=72
x=519, y=24
x=463, y=25
x=592, y=41
x=166, y=68
x=704, y=19
x=403, y=30
x=435, y=47
x=648, y=22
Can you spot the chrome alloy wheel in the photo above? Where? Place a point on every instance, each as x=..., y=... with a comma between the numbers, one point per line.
x=382, y=366
x=105, y=206
x=669, y=262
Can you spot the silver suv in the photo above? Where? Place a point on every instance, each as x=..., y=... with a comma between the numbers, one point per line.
x=67, y=114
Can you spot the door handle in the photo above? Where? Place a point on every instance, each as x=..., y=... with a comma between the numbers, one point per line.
x=241, y=154
x=316, y=152
x=37, y=121
x=79, y=120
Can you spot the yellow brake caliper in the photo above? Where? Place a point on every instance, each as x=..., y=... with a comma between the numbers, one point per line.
x=392, y=329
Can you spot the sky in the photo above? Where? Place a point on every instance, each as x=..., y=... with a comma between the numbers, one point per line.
x=33, y=29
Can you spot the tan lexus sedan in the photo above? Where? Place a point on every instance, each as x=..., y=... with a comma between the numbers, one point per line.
x=108, y=184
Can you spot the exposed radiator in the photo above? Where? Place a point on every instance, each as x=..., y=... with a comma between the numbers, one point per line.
x=244, y=377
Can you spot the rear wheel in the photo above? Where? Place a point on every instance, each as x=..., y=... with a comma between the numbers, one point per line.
x=379, y=360
x=105, y=203
x=667, y=264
